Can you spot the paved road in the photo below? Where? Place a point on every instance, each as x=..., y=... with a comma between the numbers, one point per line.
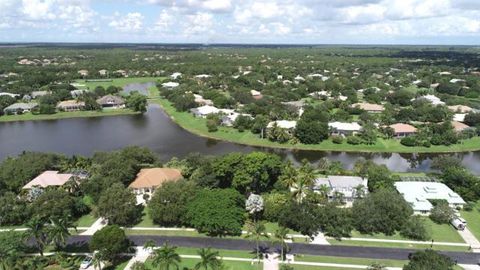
x=238, y=244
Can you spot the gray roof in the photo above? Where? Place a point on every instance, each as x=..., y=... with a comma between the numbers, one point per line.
x=110, y=100
x=338, y=182
x=21, y=106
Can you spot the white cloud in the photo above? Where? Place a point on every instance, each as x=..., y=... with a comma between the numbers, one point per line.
x=198, y=23
x=131, y=22
x=38, y=9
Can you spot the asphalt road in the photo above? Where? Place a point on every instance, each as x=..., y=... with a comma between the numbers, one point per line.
x=297, y=248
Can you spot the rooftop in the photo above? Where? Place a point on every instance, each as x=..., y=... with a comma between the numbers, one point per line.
x=155, y=177
x=49, y=178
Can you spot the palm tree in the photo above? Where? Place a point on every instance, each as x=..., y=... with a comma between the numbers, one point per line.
x=208, y=259
x=97, y=260
x=257, y=231
x=149, y=244
x=72, y=186
x=324, y=190
x=289, y=175
x=58, y=231
x=36, y=230
x=166, y=257
x=281, y=236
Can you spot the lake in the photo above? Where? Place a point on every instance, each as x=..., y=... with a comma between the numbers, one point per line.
x=155, y=130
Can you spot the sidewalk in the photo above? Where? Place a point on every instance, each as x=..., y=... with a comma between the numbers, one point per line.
x=97, y=225
x=141, y=255
x=470, y=239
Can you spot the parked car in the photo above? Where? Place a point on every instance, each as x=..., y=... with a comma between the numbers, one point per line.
x=86, y=263
x=459, y=223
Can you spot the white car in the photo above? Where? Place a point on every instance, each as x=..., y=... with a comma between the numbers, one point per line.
x=86, y=263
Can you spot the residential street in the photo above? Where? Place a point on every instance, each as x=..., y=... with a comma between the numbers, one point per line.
x=320, y=250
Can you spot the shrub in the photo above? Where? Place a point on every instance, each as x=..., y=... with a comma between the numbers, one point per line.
x=441, y=213
x=415, y=229
x=408, y=141
x=354, y=140
x=211, y=125
x=337, y=139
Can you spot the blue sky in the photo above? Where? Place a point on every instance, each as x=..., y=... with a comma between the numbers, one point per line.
x=242, y=21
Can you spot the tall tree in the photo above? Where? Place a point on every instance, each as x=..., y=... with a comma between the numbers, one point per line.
x=36, y=230
x=166, y=257
x=119, y=205
x=257, y=231
x=281, y=237
x=208, y=260
x=429, y=259
x=58, y=231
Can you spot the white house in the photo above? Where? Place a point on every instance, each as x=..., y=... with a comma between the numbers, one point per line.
x=342, y=128
x=432, y=99
x=348, y=186
x=203, y=111
x=229, y=119
x=9, y=94
x=418, y=194
x=170, y=85
x=285, y=124
x=175, y=75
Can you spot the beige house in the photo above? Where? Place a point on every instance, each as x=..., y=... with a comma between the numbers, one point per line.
x=149, y=179
x=403, y=130
x=71, y=105
x=49, y=178
x=459, y=127
x=369, y=107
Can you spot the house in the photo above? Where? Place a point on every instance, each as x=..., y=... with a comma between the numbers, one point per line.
x=284, y=124
x=369, y=107
x=459, y=117
x=345, y=129
x=170, y=85
x=403, y=130
x=121, y=72
x=320, y=94
x=150, y=179
x=20, y=108
x=203, y=111
x=9, y=94
x=200, y=100
x=432, y=99
x=229, y=120
x=299, y=79
x=78, y=92
x=256, y=94
x=36, y=94
x=111, y=101
x=71, y=105
x=49, y=178
x=83, y=72
x=202, y=76
x=350, y=187
x=459, y=127
x=296, y=105
x=460, y=108
x=176, y=75
x=103, y=72
x=418, y=194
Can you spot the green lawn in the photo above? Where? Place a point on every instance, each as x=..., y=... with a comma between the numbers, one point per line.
x=119, y=82
x=473, y=219
x=146, y=220
x=439, y=233
x=85, y=220
x=198, y=126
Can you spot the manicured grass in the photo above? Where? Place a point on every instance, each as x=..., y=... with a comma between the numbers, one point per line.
x=119, y=82
x=62, y=115
x=146, y=219
x=164, y=233
x=473, y=219
x=346, y=260
x=198, y=126
x=85, y=220
x=395, y=245
x=438, y=232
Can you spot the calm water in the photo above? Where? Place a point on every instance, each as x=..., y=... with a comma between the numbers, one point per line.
x=156, y=131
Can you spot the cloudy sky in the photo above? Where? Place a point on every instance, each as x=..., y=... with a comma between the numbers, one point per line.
x=242, y=21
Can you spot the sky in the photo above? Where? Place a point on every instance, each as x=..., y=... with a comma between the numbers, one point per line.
x=442, y=22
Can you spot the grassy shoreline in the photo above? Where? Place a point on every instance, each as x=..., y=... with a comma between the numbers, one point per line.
x=198, y=127
x=64, y=115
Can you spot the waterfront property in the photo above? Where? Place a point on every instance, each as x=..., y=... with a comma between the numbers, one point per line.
x=49, y=178
x=348, y=187
x=111, y=101
x=418, y=194
x=20, y=108
x=403, y=130
x=71, y=105
x=344, y=129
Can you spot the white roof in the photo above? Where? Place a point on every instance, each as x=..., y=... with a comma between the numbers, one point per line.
x=418, y=194
x=459, y=117
x=9, y=94
x=207, y=109
x=354, y=126
x=456, y=80
x=299, y=78
x=342, y=98
x=255, y=93
x=285, y=124
x=320, y=93
x=432, y=99
x=170, y=84
x=202, y=76
x=175, y=75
